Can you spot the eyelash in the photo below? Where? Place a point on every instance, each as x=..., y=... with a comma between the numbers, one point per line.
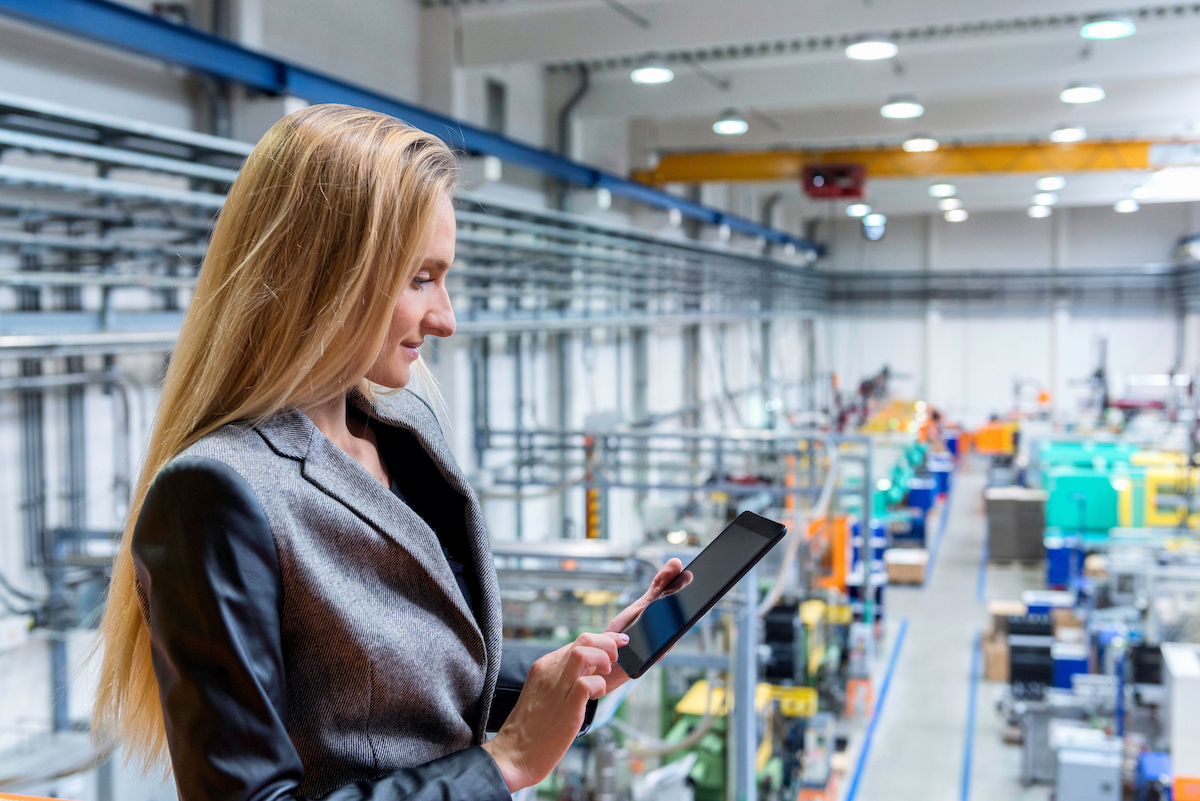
x=420, y=282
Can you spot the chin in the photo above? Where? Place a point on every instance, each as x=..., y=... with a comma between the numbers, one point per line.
x=395, y=377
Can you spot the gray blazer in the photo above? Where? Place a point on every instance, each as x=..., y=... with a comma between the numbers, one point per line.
x=385, y=664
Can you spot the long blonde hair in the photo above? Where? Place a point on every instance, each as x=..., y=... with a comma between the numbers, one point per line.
x=323, y=228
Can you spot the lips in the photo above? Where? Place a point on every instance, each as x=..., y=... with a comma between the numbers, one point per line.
x=413, y=349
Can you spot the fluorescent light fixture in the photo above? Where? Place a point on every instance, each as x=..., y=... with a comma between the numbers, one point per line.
x=604, y=198
x=1126, y=205
x=1068, y=133
x=875, y=220
x=1051, y=183
x=920, y=144
x=949, y=204
x=955, y=215
x=1108, y=28
x=943, y=190
x=902, y=107
x=1045, y=199
x=652, y=71
x=731, y=124
x=1082, y=93
x=1039, y=211
x=1171, y=184
x=872, y=50
x=858, y=210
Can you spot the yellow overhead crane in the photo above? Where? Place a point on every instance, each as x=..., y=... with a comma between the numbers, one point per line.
x=951, y=159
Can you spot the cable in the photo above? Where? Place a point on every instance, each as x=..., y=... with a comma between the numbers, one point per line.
x=13, y=590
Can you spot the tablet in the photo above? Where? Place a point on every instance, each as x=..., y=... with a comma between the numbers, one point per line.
x=714, y=572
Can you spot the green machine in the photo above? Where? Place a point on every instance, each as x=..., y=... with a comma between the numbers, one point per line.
x=1080, y=499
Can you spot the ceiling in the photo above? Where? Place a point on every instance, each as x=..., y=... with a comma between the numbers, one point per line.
x=983, y=70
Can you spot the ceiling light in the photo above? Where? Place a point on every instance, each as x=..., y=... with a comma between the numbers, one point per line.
x=872, y=50
x=604, y=198
x=1081, y=93
x=1039, y=211
x=903, y=107
x=920, y=144
x=943, y=190
x=1108, y=28
x=1045, y=199
x=1126, y=205
x=1068, y=133
x=875, y=219
x=955, y=215
x=731, y=124
x=858, y=210
x=1051, y=183
x=949, y=204
x=652, y=71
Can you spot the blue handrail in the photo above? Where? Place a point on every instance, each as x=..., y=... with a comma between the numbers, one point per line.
x=120, y=26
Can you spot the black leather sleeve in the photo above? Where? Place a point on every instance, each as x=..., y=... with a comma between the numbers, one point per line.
x=515, y=663
x=206, y=561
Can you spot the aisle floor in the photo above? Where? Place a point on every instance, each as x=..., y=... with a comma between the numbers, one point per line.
x=921, y=740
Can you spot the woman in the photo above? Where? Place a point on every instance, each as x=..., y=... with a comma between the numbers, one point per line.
x=304, y=604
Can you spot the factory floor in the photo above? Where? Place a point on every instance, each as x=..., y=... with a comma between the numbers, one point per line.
x=928, y=744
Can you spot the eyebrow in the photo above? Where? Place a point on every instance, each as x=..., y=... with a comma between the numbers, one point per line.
x=439, y=264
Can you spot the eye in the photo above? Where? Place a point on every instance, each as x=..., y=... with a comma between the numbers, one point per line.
x=422, y=280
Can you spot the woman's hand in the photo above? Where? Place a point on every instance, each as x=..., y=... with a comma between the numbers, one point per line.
x=550, y=711
x=670, y=579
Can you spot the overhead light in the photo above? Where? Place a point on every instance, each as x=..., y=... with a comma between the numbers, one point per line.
x=652, y=71
x=874, y=226
x=920, y=144
x=943, y=190
x=955, y=215
x=1171, y=183
x=604, y=198
x=1051, y=183
x=1045, y=199
x=1082, y=93
x=1108, y=28
x=1039, y=211
x=902, y=107
x=1126, y=205
x=731, y=124
x=1068, y=133
x=872, y=50
x=677, y=537
x=858, y=210
x=949, y=204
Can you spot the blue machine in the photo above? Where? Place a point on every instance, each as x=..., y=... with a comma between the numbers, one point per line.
x=1069, y=659
x=1064, y=560
x=1153, y=768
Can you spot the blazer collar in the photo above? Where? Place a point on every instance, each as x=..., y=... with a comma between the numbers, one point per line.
x=292, y=434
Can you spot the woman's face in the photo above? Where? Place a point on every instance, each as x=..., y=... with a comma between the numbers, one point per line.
x=423, y=308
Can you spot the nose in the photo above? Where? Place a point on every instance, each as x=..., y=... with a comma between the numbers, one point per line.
x=439, y=319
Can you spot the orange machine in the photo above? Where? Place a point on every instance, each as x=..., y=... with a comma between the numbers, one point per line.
x=832, y=537
x=997, y=438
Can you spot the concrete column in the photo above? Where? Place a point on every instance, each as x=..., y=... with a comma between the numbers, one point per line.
x=1060, y=231
x=933, y=319
x=1059, y=370
x=441, y=76
x=1189, y=352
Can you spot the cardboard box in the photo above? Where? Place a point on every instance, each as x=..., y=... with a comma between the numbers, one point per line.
x=1016, y=523
x=995, y=658
x=999, y=611
x=906, y=565
x=1066, y=619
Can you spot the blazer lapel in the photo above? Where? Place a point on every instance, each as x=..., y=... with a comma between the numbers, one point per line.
x=338, y=475
x=406, y=410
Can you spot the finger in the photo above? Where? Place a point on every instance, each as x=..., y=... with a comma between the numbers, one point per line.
x=587, y=660
x=608, y=642
x=682, y=580
x=664, y=577
x=588, y=688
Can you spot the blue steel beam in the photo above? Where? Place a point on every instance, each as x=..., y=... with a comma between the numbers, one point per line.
x=119, y=26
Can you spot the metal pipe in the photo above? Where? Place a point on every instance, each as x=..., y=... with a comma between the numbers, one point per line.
x=564, y=128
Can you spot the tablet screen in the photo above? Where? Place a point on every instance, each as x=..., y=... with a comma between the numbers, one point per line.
x=712, y=571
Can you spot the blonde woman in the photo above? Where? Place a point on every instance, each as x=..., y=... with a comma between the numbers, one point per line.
x=304, y=604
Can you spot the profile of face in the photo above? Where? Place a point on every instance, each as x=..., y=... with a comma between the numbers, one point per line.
x=422, y=309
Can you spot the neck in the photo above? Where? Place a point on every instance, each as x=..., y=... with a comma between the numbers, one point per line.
x=330, y=418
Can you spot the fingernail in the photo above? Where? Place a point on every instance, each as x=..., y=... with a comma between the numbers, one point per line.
x=623, y=638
